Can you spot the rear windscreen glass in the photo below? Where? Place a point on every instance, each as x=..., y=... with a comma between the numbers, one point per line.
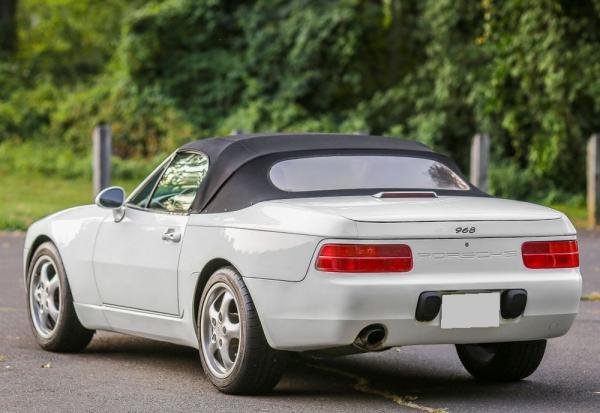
x=326, y=173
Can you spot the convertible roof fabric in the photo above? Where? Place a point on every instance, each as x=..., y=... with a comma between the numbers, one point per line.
x=252, y=145
x=238, y=164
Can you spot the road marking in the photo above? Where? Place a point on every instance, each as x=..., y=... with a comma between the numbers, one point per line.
x=591, y=297
x=9, y=310
x=362, y=385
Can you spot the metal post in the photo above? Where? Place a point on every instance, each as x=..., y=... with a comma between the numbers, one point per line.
x=480, y=159
x=593, y=181
x=102, y=151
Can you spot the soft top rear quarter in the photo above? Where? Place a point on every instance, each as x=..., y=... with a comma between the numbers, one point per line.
x=238, y=176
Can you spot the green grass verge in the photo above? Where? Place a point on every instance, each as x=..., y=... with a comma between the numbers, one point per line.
x=24, y=199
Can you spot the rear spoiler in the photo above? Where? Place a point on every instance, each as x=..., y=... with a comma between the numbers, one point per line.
x=405, y=194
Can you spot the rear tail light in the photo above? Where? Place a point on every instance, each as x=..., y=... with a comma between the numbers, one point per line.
x=365, y=258
x=550, y=254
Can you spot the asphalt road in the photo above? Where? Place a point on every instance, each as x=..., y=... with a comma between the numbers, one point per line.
x=121, y=373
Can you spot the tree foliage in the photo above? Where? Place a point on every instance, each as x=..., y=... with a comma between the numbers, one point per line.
x=438, y=71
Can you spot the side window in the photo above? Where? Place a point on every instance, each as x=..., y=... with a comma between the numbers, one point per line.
x=142, y=196
x=177, y=187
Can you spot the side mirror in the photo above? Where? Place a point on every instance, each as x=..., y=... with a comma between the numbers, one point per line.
x=113, y=198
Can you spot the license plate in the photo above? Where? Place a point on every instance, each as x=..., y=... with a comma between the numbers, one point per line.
x=470, y=310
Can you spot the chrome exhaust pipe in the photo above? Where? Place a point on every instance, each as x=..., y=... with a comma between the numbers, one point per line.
x=371, y=338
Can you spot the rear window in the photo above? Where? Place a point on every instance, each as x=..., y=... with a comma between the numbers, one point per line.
x=327, y=173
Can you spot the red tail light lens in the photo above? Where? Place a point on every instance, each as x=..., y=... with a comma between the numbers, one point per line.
x=550, y=254
x=365, y=258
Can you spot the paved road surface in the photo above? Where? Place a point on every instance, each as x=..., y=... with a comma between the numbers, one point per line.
x=120, y=373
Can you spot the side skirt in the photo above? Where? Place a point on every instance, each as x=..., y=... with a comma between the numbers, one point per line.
x=156, y=326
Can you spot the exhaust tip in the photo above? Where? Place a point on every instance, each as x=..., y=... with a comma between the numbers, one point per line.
x=371, y=338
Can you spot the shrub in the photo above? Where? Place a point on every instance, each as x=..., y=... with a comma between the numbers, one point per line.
x=40, y=157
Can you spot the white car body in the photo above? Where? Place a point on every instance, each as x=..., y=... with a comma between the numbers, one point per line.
x=126, y=278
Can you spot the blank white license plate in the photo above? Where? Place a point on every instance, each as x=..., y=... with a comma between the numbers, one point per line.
x=471, y=310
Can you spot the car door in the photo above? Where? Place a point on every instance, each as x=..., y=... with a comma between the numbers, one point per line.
x=136, y=259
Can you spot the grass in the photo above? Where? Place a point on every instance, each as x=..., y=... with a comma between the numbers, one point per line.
x=24, y=199
x=577, y=214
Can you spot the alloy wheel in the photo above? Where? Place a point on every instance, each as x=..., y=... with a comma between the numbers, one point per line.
x=44, y=296
x=220, y=329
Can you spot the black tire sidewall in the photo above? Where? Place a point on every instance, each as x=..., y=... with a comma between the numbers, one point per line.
x=513, y=361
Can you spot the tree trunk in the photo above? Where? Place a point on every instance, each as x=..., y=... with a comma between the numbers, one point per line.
x=8, y=26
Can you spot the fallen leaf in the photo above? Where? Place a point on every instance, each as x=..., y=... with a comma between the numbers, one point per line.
x=595, y=296
x=47, y=365
x=2, y=357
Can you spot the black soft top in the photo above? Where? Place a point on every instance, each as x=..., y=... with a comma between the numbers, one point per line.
x=238, y=164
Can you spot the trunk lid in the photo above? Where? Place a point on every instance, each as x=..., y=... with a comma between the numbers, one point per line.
x=443, y=217
x=458, y=208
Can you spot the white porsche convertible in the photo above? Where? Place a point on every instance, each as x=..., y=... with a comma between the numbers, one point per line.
x=252, y=247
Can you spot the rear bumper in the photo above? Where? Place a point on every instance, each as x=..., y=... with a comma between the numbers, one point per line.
x=329, y=310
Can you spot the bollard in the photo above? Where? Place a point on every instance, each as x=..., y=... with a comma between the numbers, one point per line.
x=102, y=152
x=480, y=158
x=593, y=181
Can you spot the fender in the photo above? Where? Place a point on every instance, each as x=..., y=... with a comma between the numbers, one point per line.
x=73, y=231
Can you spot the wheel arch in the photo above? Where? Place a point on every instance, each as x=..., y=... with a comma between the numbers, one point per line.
x=208, y=270
x=39, y=240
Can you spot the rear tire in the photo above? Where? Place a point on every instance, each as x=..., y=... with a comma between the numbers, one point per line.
x=234, y=352
x=501, y=362
x=50, y=304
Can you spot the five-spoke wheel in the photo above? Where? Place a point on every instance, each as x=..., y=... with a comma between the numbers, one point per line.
x=44, y=296
x=220, y=329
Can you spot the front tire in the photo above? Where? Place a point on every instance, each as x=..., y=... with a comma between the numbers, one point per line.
x=502, y=362
x=50, y=304
x=234, y=351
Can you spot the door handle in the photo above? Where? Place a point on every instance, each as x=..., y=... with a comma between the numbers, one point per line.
x=171, y=235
